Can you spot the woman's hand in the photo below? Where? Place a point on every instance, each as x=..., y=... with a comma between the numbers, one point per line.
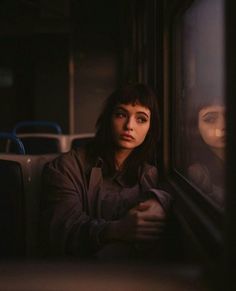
x=142, y=223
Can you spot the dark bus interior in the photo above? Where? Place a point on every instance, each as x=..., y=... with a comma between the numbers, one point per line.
x=59, y=60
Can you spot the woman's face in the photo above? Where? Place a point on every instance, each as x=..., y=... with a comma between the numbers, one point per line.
x=211, y=124
x=130, y=125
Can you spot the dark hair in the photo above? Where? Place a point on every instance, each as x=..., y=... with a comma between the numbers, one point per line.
x=103, y=142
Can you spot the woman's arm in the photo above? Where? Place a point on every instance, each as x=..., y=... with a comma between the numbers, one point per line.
x=150, y=188
x=142, y=223
x=69, y=227
x=146, y=221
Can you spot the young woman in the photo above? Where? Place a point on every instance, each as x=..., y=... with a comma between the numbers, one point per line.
x=207, y=141
x=102, y=200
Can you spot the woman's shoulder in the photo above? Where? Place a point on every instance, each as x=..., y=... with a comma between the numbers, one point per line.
x=149, y=174
x=149, y=169
x=73, y=159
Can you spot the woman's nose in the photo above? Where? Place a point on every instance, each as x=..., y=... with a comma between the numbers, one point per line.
x=221, y=123
x=220, y=129
x=129, y=125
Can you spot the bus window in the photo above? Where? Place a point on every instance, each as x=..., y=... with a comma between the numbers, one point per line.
x=199, y=127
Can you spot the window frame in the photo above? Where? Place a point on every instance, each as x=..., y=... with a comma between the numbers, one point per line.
x=202, y=219
x=230, y=213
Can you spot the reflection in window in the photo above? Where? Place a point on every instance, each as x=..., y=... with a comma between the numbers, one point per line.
x=199, y=152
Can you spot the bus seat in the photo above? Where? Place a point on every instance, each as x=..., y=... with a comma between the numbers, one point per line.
x=38, y=137
x=33, y=126
x=49, y=143
x=17, y=146
x=12, y=230
x=77, y=140
x=33, y=199
x=42, y=143
x=21, y=190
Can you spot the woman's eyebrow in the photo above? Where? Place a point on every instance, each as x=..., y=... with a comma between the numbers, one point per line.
x=138, y=112
x=142, y=112
x=210, y=113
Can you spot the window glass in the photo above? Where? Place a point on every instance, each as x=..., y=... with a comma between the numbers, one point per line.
x=199, y=127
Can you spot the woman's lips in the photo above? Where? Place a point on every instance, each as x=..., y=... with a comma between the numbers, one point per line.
x=127, y=137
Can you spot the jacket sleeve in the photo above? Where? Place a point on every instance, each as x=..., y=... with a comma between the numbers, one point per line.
x=70, y=229
x=149, y=184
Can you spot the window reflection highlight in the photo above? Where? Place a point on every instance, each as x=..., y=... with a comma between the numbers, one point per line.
x=207, y=146
x=200, y=131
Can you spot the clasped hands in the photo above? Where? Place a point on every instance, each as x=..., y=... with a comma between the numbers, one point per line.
x=144, y=222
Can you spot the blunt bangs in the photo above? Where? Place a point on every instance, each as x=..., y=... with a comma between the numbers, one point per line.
x=138, y=94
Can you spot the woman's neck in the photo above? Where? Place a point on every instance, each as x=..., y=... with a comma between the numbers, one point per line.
x=120, y=156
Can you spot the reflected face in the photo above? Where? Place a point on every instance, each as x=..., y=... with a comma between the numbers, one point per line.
x=130, y=125
x=211, y=124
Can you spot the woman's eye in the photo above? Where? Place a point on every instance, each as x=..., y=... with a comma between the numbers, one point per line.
x=210, y=119
x=141, y=119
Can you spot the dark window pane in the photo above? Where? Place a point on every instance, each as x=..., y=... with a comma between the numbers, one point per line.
x=199, y=145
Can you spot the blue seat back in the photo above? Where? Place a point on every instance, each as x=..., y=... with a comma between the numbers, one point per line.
x=16, y=144
x=37, y=126
x=39, y=143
